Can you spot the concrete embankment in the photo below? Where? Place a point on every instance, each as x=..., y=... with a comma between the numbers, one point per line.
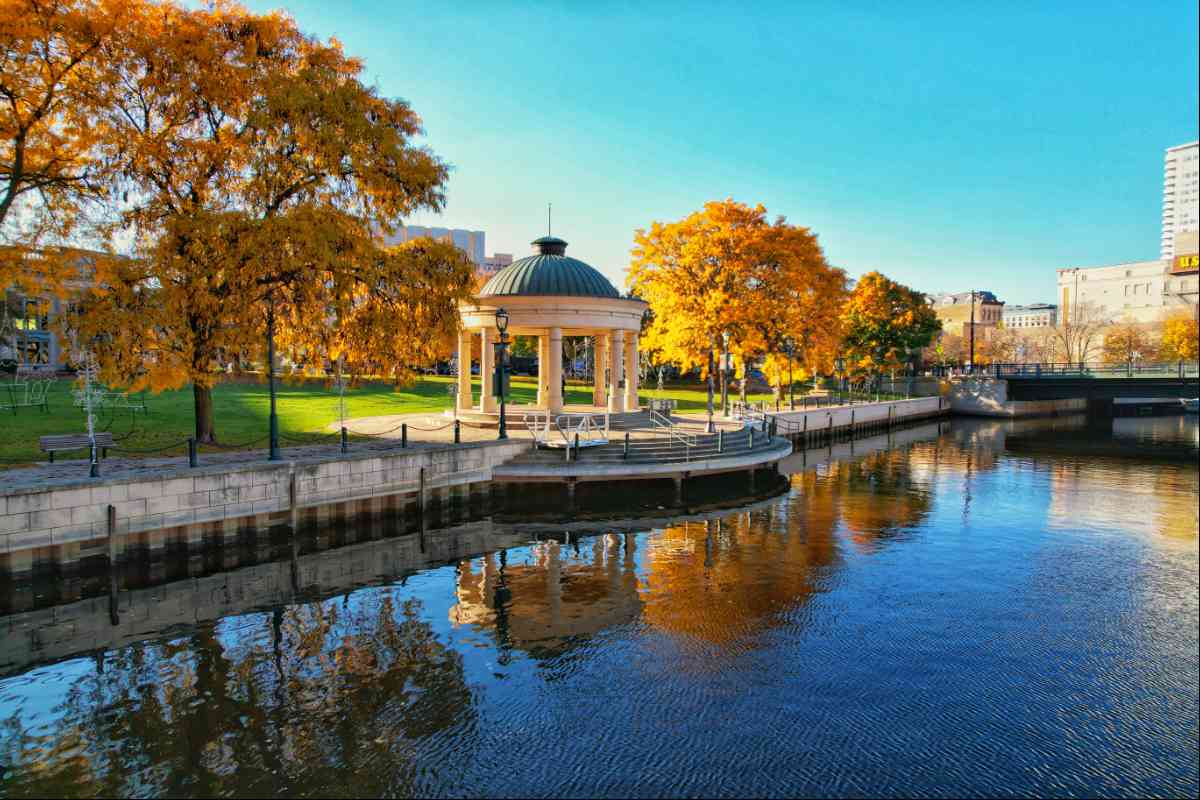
x=822, y=424
x=93, y=516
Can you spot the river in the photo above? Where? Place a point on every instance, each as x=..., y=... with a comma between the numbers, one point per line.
x=964, y=609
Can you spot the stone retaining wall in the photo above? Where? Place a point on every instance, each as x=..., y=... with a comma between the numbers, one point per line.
x=78, y=513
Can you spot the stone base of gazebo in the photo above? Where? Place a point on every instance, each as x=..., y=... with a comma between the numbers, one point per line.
x=515, y=416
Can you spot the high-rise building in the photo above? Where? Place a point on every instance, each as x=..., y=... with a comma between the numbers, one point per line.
x=496, y=262
x=470, y=242
x=1181, y=195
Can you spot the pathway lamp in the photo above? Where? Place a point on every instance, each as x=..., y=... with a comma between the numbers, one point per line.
x=501, y=372
x=725, y=373
x=274, y=423
x=839, y=368
x=789, y=347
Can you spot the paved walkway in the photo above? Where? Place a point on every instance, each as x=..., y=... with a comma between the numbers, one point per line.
x=425, y=430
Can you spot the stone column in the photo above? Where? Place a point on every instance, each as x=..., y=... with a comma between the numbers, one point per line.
x=542, y=377
x=616, y=399
x=464, y=369
x=487, y=365
x=554, y=390
x=599, y=366
x=631, y=373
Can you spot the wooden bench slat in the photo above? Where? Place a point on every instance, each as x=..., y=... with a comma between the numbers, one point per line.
x=73, y=441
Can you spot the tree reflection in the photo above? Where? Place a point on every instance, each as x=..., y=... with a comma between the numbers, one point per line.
x=560, y=595
x=325, y=699
x=876, y=497
x=725, y=579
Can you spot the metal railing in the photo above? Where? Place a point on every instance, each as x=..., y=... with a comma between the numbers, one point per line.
x=1093, y=369
x=666, y=425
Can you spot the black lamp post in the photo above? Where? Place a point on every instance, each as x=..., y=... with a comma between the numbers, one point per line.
x=725, y=373
x=839, y=366
x=274, y=437
x=502, y=326
x=789, y=347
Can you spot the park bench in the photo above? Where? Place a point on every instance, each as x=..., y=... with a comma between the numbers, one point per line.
x=74, y=441
x=27, y=394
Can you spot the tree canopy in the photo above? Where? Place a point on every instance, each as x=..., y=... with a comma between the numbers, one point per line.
x=882, y=321
x=256, y=174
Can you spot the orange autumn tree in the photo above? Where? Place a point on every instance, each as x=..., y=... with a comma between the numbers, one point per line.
x=58, y=72
x=259, y=172
x=798, y=299
x=695, y=274
x=882, y=322
x=1180, y=339
x=1124, y=342
x=727, y=269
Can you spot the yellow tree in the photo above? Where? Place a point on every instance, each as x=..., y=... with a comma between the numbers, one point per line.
x=882, y=322
x=1180, y=339
x=1125, y=342
x=795, y=300
x=259, y=172
x=58, y=71
x=728, y=270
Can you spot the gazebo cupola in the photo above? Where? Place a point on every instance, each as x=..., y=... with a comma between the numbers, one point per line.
x=550, y=295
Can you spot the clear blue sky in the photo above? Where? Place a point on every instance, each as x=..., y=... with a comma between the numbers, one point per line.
x=944, y=144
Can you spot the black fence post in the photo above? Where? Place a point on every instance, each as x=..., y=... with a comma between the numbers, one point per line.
x=345, y=440
x=192, y=451
x=404, y=434
x=94, y=467
x=721, y=441
x=457, y=432
x=625, y=453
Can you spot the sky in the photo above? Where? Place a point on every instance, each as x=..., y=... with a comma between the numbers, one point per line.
x=948, y=145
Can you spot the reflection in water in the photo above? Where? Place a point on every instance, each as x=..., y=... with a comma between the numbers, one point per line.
x=976, y=611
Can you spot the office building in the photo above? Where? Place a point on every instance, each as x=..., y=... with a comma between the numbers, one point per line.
x=955, y=311
x=1036, y=315
x=1141, y=291
x=470, y=242
x=496, y=262
x=1181, y=195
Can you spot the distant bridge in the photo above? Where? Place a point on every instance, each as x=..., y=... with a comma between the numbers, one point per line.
x=1032, y=389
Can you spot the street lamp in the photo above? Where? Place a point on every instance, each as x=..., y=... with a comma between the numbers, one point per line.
x=839, y=368
x=274, y=431
x=502, y=326
x=789, y=347
x=725, y=373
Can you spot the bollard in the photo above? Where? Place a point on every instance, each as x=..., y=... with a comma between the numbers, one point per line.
x=457, y=432
x=625, y=453
x=576, y=446
x=192, y=451
x=720, y=441
x=345, y=440
x=751, y=446
x=94, y=468
x=404, y=435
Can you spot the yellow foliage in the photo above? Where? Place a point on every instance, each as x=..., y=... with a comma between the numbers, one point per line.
x=726, y=269
x=1181, y=339
x=259, y=172
x=57, y=74
x=882, y=321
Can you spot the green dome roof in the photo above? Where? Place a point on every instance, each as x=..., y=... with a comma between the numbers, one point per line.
x=549, y=271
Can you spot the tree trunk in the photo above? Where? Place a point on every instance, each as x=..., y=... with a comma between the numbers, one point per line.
x=204, y=414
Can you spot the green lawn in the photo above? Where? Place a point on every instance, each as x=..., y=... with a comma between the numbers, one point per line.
x=241, y=409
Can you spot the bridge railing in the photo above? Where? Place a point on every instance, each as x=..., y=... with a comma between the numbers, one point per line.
x=1096, y=369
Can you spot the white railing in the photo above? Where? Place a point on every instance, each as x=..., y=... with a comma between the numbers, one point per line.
x=667, y=426
x=562, y=430
x=586, y=429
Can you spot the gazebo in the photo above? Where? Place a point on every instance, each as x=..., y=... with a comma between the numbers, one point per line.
x=550, y=295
